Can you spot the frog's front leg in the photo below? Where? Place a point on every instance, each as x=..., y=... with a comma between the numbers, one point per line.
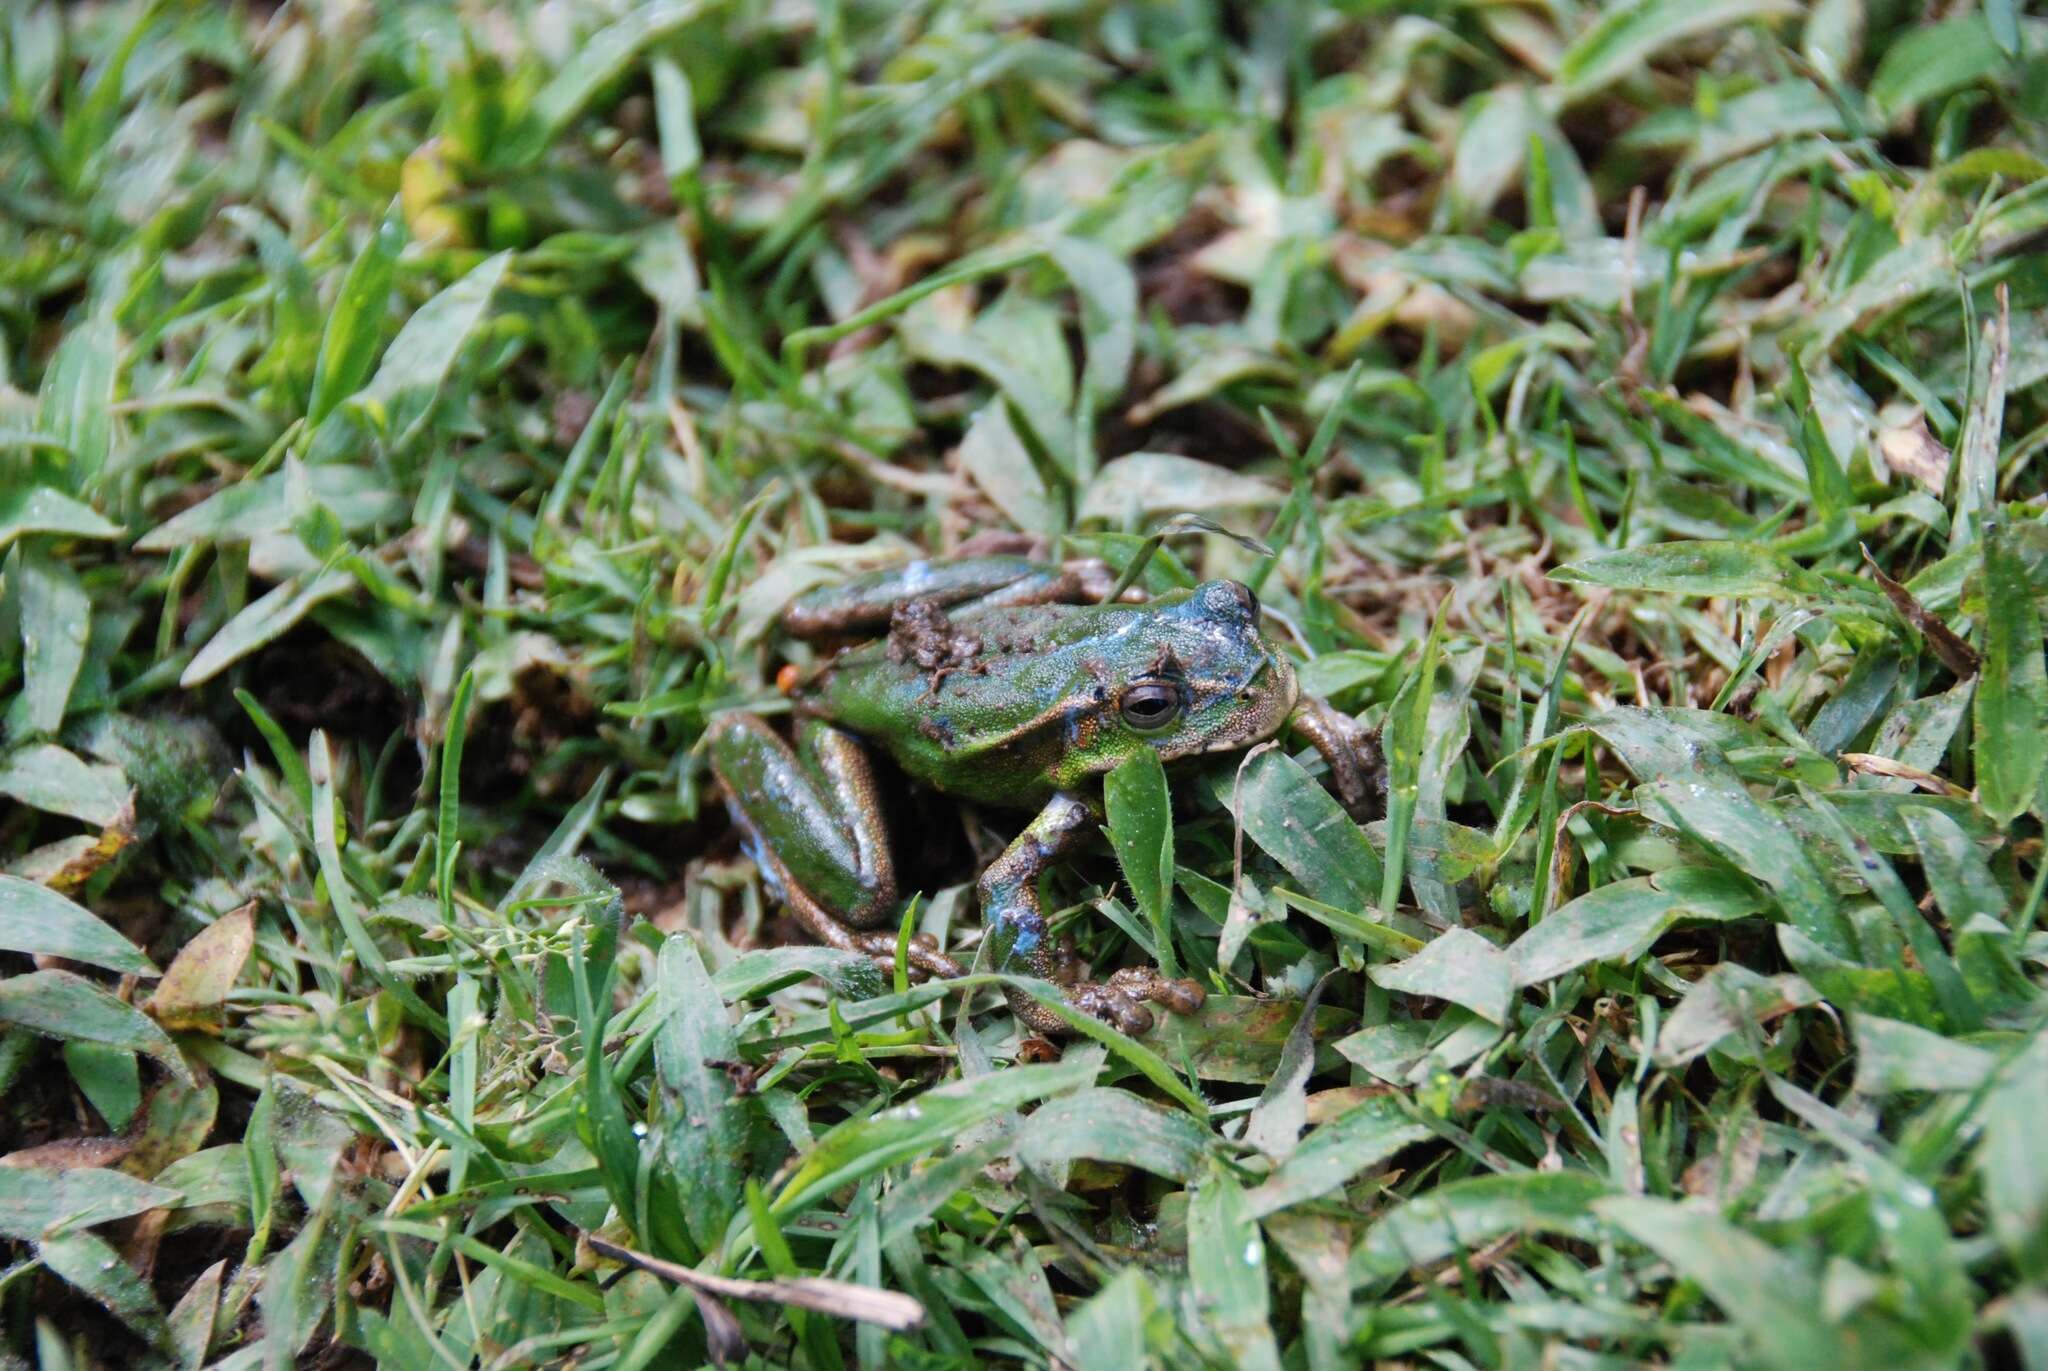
x=813, y=824
x=1357, y=768
x=1019, y=943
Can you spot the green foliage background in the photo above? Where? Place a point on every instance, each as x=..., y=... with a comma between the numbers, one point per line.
x=412, y=416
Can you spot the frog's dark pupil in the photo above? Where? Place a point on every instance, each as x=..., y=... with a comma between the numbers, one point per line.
x=1149, y=706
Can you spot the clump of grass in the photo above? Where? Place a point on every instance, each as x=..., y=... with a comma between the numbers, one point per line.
x=412, y=417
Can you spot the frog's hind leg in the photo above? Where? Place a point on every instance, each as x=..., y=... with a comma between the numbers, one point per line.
x=866, y=604
x=813, y=824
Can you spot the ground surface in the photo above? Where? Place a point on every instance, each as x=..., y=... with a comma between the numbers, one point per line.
x=413, y=414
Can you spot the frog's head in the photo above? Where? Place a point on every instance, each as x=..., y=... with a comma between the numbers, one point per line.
x=1197, y=675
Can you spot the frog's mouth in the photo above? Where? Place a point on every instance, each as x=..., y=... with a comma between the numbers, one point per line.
x=1262, y=701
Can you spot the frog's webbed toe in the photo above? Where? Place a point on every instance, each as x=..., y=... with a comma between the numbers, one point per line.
x=1114, y=1007
x=1180, y=996
x=922, y=956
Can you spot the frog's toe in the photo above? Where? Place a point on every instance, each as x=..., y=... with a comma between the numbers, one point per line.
x=1180, y=996
x=1111, y=1005
x=922, y=958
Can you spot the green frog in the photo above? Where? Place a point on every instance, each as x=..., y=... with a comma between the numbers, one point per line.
x=1008, y=683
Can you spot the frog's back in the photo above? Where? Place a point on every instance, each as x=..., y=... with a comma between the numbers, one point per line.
x=1006, y=705
x=983, y=706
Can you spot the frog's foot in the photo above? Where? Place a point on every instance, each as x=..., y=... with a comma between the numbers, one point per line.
x=1118, y=1002
x=1178, y=995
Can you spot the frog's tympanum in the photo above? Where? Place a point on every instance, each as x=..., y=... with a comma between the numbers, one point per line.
x=1004, y=682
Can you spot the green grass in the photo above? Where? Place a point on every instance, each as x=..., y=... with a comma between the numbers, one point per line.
x=412, y=416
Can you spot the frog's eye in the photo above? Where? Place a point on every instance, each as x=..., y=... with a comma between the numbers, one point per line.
x=1150, y=704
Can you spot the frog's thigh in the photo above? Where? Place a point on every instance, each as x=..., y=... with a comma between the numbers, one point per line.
x=1082, y=581
x=813, y=817
x=865, y=603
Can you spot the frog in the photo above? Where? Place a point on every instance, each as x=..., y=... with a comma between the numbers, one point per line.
x=1007, y=683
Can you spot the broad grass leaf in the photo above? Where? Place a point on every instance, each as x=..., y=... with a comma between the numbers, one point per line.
x=1466, y=1215
x=1141, y=830
x=1108, y=1330
x=1901, y=276
x=56, y=625
x=355, y=320
x=264, y=621
x=1715, y=809
x=1721, y=1003
x=40, y=922
x=1769, y=1295
x=1917, y=733
x=196, y=985
x=1894, y=1057
x=1108, y=294
x=1929, y=61
x=1956, y=872
x=109, y=1077
x=57, y=781
x=2015, y=1120
x=76, y=404
x=852, y=976
x=1493, y=141
x=190, y=1322
x=1299, y=825
x=39, y=1200
x=419, y=359
x=1019, y=345
x=1619, y=920
x=1704, y=567
x=357, y=497
x=59, y=1005
x=1629, y=33
x=1930, y=1322
x=706, y=1128
x=39, y=509
x=1833, y=37
x=1458, y=966
x=2012, y=692
x=1211, y=369
x=596, y=62
x=1276, y=1121
x=1137, y=487
x=995, y=458
x=1228, y=1271
x=1869, y=867
x=214, y=1182
x=1333, y=1153
x=861, y=1147
x=1411, y=1051
x=91, y=1264
x=1116, y=1127
x=1241, y=1038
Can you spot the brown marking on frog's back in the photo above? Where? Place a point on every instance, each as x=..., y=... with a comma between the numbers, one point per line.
x=921, y=635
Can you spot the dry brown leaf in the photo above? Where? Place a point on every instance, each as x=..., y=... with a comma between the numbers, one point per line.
x=1955, y=654
x=1871, y=764
x=194, y=990
x=1909, y=448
